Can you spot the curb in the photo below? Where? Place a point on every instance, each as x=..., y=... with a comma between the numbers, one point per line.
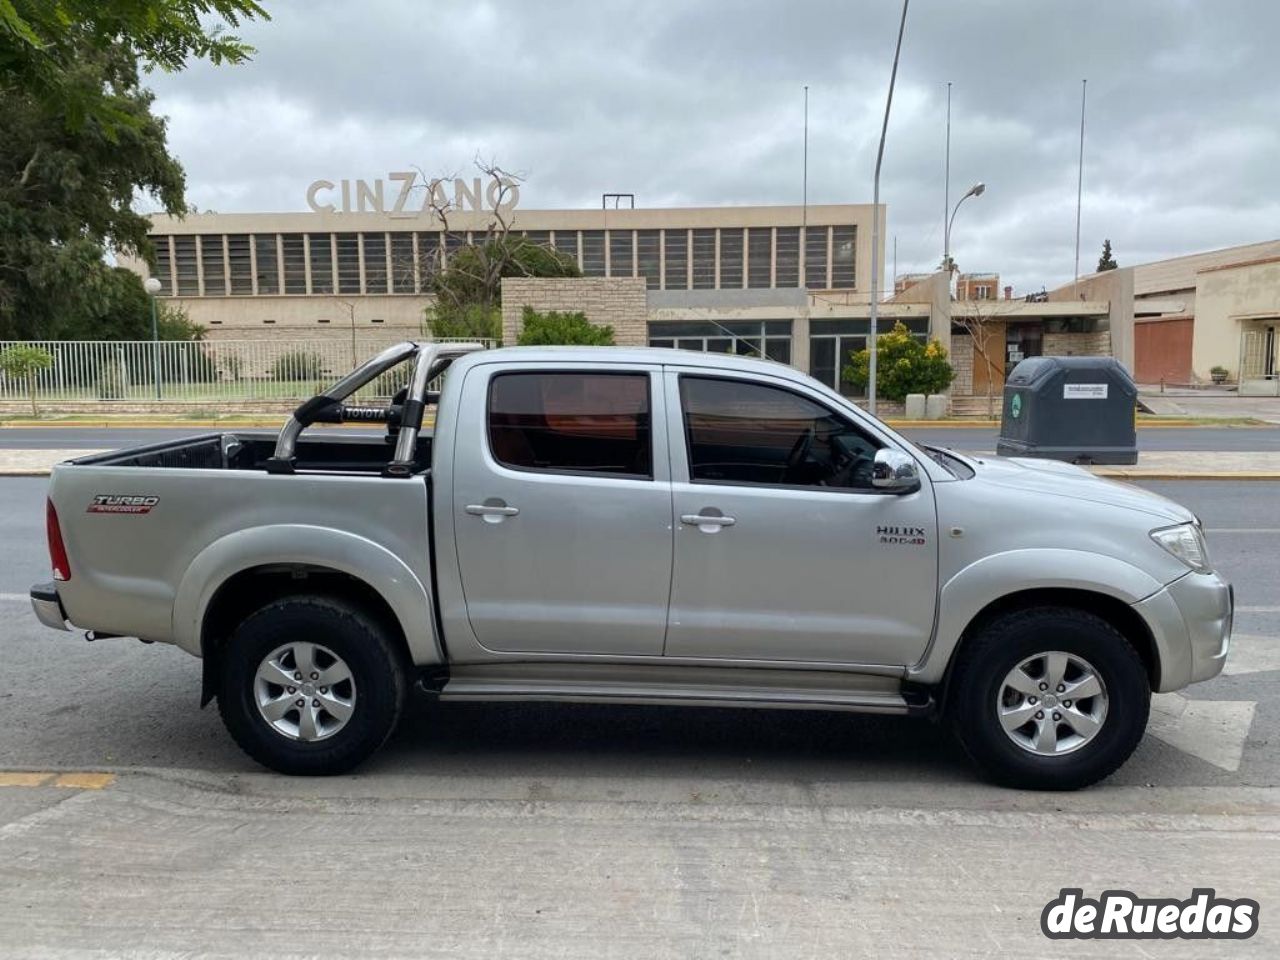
x=1169, y=475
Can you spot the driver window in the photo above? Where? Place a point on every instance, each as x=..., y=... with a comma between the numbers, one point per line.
x=738, y=431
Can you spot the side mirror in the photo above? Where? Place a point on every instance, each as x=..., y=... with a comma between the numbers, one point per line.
x=894, y=472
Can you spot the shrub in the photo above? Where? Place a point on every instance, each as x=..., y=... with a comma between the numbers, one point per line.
x=903, y=365
x=297, y=365
x=553, y=329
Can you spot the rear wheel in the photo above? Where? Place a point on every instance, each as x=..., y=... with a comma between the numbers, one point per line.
x=311, y=686
x=1049, y=699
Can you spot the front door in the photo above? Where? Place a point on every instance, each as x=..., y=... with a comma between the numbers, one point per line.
x=561, y=511
x=783, y=549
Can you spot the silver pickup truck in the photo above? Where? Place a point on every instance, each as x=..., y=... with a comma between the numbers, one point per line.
x=636, y=526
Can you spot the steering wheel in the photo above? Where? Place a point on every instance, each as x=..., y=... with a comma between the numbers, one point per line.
x=803, y=444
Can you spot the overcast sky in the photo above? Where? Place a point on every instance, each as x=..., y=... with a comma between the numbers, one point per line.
x=699, y=103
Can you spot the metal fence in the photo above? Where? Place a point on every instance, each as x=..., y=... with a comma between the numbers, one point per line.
x=142, y=371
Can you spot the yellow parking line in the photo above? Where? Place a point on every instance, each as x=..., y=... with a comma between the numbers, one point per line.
x=71, y=781
x=24, y=779
x=85, y=781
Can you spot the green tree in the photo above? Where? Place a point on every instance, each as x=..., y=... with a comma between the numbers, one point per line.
x=43, y=44
x=79, y=143
x=903, y=365
x=23, y=362
x=554, y=329
x=468, y=291
x=1106, y=261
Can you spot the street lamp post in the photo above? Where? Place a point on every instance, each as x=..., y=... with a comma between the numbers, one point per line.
x=153, y=287
x=875, y=224
x=977, y=190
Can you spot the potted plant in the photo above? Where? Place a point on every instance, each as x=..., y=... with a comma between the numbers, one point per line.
x=1218, y=374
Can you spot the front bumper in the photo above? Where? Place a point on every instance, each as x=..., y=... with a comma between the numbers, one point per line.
x=1190, y=620
x=47, y=606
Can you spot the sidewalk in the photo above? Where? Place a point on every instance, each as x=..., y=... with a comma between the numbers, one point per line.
x=1151, y=465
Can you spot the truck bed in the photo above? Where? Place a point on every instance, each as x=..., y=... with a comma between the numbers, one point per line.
x=325, y=450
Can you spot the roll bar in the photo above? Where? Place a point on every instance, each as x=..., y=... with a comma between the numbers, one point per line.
x=432, y=359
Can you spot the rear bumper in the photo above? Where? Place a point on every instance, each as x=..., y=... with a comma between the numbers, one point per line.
x=47, y=606
x=1191, y=619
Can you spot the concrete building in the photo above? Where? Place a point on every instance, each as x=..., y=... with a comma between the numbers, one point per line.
x=1190, y=314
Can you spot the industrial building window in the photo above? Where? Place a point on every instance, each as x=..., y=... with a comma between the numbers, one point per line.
x=541, y=237
x=677, y=256
x=268, y=262
x=786, y=257
x=241, y=266
x=769, y=339
x=594, y=423
x=621, y=253
x=815, y=258
x=760, y=257
x=401, y=263
x=375, y=262
x=843, y=242
x=593, y=253
x=453, y=242
x=704, y=259
x=213, y=263
x=320, y=250
x=184, y=260
x=164, y=266
x=567, y=243
x=348, y=247
x=649, y=258
x=833, y=342
x=294, y=256
x=428, y=258
x=731, y=259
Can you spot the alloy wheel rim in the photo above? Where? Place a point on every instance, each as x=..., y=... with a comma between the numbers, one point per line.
x=304, y=691
x=1052, y=703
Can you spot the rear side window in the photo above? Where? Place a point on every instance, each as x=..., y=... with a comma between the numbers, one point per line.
x=596, y=423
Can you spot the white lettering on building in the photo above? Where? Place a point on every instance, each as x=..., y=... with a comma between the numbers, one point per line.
x=372, y=196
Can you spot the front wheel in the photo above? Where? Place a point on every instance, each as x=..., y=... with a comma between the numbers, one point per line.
x=1049, y=699
x=310, y=686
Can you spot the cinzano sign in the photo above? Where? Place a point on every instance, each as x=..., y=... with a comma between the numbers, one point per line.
x=403, y=194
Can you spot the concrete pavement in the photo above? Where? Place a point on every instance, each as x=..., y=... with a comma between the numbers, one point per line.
x=130, y=825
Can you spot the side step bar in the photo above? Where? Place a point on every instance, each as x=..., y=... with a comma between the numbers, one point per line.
x=862, y=694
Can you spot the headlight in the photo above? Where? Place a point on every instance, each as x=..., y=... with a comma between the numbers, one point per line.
x=1186, y=542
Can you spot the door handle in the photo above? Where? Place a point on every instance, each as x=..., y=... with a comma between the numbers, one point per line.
x=491, y=510
x=707, y=519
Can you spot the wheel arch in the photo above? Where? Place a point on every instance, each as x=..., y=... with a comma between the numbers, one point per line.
x=1101, y=585
x=243, y=571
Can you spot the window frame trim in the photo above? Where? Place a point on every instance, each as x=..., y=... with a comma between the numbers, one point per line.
x=592, y=370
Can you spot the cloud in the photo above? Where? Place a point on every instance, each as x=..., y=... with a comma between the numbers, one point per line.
x=690, y=104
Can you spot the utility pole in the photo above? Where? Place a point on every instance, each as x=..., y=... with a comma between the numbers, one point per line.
x=875, y=223
x=946, y=186
x=1084, y=85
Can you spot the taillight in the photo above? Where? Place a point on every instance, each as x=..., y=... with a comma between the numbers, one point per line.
x=57, y=550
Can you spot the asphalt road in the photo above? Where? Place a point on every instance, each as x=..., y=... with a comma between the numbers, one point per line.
x=548, y=830
x=960, y=438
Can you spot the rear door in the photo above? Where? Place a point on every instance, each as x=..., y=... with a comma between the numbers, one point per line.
x=784, y=550
x=562, y=508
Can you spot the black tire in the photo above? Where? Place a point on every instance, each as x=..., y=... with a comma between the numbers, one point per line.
x=987, y=657
x=377, y=669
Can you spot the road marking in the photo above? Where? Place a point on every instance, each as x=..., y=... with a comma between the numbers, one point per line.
x=85, y=781
x=1266, y=530
x=1252, y=654
x=1257, y=609
x=1212, y=730
x=71, y=781
x=16, y=779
